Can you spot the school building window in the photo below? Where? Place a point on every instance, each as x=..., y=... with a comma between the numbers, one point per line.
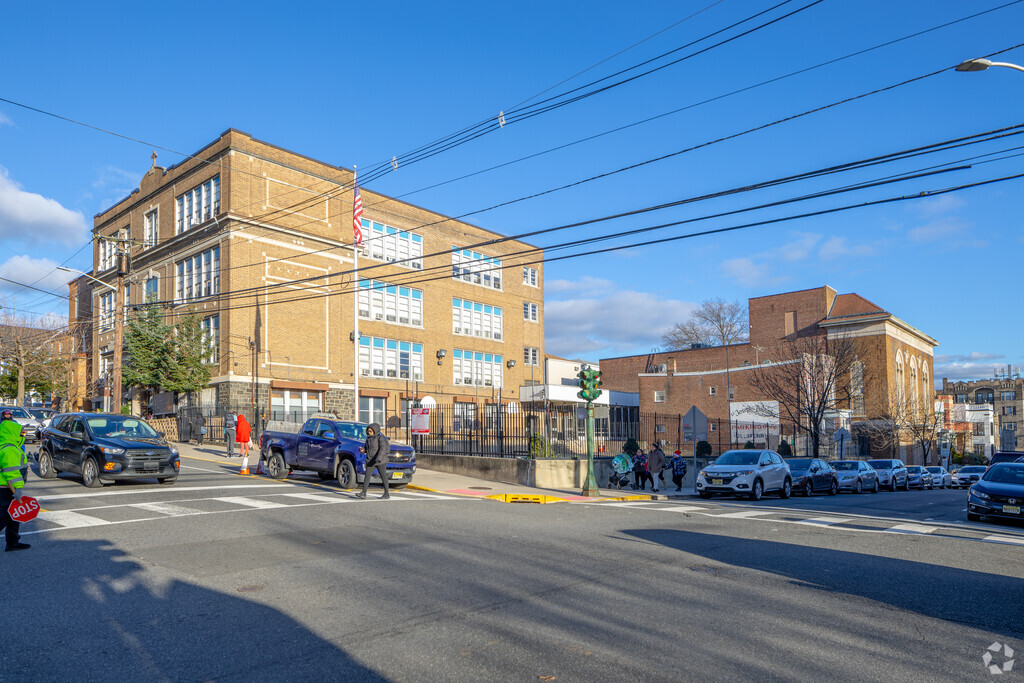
x=294, y=405
x=211, y=335
x=475, y=368
x=470, y=266
x=531, y=312
x=108, y=254
x=659, y=396
x=152, y=290
x=372, y=409
x=198, y=276
x=530, y=276
x=106, y=311
x=390, y=359
x=149, y=229
x=476, y=319
x=390, y=303
x=199, y=204
x=531, y=356
x=388, y=243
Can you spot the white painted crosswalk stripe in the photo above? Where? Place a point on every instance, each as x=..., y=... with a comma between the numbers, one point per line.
x=70, y=520
x=1015, y=540
x=684, y=508
x=168, y=509
x=251, y=502
x=419, y=494
x=744, y=514
x=911, y=529
x=319, y=497
x=824, y=521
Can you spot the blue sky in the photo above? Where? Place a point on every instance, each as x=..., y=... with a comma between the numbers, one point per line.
x=355, y=83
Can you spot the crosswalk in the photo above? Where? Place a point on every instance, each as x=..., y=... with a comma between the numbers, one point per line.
x=50, y=520
x=856, y=524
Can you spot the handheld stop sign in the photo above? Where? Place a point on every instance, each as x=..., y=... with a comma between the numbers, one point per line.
x=24, y=510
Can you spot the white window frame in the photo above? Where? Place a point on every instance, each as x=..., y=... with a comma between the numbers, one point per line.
x=211, y=337
x=531, y=356
x=394, y=304
x=156, y=288
x=659, y=396
x=476, y=319
x=387, y=243
x=197, y=205
x=531, y=277
x=197, y=276
x=476, y=268
x=150, y=228
x=381, y=358
x=375, y=411
x=531, y=312
x=476, y=368
x=106, y=305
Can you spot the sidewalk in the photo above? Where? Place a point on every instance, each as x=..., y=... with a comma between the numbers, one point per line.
x=459, y=485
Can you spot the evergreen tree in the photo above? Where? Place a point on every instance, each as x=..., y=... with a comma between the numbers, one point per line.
x=784, y=449
x=149, y=350
x=190, y=369
x=703, y=449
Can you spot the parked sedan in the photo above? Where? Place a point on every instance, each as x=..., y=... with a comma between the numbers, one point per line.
x=940, y=477
x=811, y=475
x=965, y=476
x=856, y=476
x=999, y=493
x=919, y=477
x=892, y=473
x=104, y=448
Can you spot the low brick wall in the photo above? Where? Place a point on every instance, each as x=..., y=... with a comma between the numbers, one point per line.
x=167, y=425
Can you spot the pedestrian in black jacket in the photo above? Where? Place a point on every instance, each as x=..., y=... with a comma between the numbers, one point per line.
x=377, y=448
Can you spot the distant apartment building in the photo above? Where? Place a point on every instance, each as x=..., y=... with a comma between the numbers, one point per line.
x=1004, y=393
x=258, y=241
x=892, y=354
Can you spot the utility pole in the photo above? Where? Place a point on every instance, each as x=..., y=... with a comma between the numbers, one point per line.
x=252, y=399
x=119, y=303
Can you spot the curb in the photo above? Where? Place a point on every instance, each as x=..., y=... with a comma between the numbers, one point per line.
x=538, y=498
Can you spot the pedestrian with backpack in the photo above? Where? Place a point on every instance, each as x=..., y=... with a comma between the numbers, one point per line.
x=377, y=448
x=678, y=469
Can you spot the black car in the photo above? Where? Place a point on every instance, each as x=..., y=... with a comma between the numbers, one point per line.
x=811, y=475
x=104, y=448
x=999, y=493
x=1004, y=456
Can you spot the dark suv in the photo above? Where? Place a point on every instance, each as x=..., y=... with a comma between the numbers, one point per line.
x=104, y=448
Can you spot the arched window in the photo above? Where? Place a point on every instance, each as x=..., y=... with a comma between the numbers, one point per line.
x=900, y=387
x=857, y=388
x=915, y=404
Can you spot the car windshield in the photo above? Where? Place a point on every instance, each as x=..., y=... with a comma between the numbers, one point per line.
x=351, y=430
x=934, y=470
x=1001, y=474
x=848, y=466
x=738, y=458
x=799, y=463
x=977, y=469
x=915, y=469
x=40, y=414
x=117, y=426
x=18, y=413
x=881, y=464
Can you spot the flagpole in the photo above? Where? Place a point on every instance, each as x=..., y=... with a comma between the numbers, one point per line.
x=355, y=303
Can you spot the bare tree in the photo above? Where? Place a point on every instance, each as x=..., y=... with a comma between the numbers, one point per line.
x=904, y=418
x=810, y=379
x=25, y=346
x=716, y=322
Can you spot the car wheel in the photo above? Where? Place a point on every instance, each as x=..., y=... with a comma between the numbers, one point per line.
x=876, y=487
x=167, y=481
x=45, y=461
x=346, y=474
x=757, y=490
x=704, y=494
x=833, y=488
x=971, y=517
x=894, y=486
x=91, y=474
x=808, y=489
x=787, y=489
x=906, y=484
x=859, y=488
x=276, y=467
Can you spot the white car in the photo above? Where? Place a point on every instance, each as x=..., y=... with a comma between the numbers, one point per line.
x=749, y=473
x=30, y=427
x=940, y=477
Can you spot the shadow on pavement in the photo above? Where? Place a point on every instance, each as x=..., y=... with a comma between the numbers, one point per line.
x=951, y=594
x=102, y=615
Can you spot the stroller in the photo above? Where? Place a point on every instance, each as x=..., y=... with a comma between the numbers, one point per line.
x=621, y=466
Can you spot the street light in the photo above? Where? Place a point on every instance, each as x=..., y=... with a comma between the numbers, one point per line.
x=80, y=272
x=982, y=64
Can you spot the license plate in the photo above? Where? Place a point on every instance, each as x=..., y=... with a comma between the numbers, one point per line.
x=1011, y=509
x=716, y=482
x=150, y=467
x=397, y=475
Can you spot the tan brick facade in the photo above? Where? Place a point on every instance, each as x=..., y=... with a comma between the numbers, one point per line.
x=283, y=228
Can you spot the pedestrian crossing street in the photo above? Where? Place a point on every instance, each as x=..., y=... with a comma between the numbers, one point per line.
x=96, y=515
x=853, y=523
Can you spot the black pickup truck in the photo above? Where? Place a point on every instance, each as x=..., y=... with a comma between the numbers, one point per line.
x=334, y=450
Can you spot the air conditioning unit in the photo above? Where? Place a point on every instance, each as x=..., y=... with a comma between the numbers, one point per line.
x=378, y=316
x=364, y=314
x=392, y=373
x=487, y=334
x=458, y=380
x=365, y=373
x=497, y=335
x=417, y=322
x=458, y=330
x=404, y=321
x=391, y=318
x=378, y=373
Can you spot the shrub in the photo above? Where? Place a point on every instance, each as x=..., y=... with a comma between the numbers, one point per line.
x=748, y=445
x=784, y=449
x=540, y=448
x=630, y=447
x=703, y=449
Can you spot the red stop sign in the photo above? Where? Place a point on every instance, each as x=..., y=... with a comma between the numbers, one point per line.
x=24, y=510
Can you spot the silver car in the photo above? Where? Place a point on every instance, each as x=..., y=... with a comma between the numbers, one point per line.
x=746, y=473
x=919, y=477
x=940, y=477
x=856, y=476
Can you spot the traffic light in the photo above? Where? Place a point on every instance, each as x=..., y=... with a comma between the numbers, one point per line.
x=590, y=380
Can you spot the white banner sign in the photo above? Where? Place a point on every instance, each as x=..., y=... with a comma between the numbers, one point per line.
x=420, y=423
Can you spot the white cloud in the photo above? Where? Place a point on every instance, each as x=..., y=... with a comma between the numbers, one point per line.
x=972, y=356
x=620, y=322
x=5, y=120
x=797, y=249
x=40, y=271
x=936, y=206
x=935, y=231
x=750, y=274
x=32, y=218
x=839, y=247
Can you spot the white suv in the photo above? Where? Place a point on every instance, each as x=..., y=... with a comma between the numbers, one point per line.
x=746, y=473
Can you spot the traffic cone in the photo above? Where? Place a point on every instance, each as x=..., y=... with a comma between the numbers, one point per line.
x=245, y=466
x=259, y=467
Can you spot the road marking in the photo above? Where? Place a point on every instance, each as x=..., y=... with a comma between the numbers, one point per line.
x=426, y=495
x=70, y=520
x=201, y=469
x=251, y=502
x=823, y=521
x=743, y=514
x=318, y=497
x=168, y=509
x=684, y=508
x=911, y=529
x=156, y=489
x=1004, y=539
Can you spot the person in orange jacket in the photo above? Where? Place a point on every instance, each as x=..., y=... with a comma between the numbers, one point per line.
x=242, y=435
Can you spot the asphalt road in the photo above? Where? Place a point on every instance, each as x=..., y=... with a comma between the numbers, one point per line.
x=221, y=577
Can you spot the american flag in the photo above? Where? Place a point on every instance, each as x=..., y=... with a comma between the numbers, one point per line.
x=357, y=213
